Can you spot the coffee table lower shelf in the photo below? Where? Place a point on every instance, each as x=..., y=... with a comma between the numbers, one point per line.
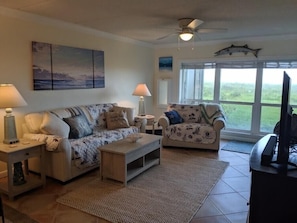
x=122, y=160
x=133, y=172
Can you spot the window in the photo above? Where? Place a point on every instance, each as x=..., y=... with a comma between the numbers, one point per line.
x=197, y=83
x=163, y=86
x=250, y=92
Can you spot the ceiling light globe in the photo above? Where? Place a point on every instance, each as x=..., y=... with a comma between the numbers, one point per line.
x=186, y=36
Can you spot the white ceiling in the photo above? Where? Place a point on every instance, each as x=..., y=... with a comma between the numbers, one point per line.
x=148, y=20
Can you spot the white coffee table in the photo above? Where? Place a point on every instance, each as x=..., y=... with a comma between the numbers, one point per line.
x=123, y=160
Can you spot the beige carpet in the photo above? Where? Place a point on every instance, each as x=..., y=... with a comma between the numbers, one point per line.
x=170, y=192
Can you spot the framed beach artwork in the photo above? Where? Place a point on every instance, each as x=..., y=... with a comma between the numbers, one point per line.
x=165, y=63
x=58, y=67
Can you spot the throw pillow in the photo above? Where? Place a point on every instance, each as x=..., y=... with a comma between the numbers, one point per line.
x=174, y=117
x=129, y=111
x=115, y=120
x=79, y=127
x=53, y=125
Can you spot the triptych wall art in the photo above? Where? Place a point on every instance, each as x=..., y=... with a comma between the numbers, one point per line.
x=58, y=67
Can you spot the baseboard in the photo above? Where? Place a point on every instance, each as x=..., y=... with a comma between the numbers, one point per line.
x=240, y=136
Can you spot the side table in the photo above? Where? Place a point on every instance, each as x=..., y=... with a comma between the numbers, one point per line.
x=151, y=124
x=22, y=151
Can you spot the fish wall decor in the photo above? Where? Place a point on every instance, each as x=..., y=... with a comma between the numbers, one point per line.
x=237, y=49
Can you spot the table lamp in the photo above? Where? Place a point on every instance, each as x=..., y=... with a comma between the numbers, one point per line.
x=141, y=90
x=10, y=98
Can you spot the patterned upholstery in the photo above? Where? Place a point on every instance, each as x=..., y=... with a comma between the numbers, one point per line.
x=191, y=132
x=84, y=147
x=198, y=127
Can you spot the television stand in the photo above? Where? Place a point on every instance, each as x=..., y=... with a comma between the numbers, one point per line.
x=268, y=154
x=272, y=194
x=283, y=168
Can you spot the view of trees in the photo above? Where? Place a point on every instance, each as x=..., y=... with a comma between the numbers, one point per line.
x=250, y=97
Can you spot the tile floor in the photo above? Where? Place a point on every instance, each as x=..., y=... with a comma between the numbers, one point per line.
x=227, y=202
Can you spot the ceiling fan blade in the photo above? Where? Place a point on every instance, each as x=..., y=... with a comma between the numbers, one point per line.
x=194, y=24
x=163, y=37
x=210, y=30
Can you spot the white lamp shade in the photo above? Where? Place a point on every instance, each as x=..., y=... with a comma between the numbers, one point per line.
x=141, y=90
x=186, y=36
x=10, y=97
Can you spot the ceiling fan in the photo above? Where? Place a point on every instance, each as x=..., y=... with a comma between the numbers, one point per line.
x=189, y=27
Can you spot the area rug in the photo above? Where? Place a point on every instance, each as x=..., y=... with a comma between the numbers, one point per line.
x=171, y=192
x=240, y=147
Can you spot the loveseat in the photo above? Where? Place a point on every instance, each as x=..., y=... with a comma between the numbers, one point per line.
x=193, y=126
x=73, y=136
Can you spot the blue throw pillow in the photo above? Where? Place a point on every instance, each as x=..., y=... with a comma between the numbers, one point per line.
x=174, y=117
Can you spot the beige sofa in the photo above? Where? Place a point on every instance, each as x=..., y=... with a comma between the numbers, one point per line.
x=192, y=126
x=73, y=136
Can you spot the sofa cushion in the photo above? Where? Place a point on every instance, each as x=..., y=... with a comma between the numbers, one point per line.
x=85, y=150
x=191, y=132
x=174, y=117
x=129, y=111
x=33, y=122
x=79, y=126
x=53, y=125
x=116, y=120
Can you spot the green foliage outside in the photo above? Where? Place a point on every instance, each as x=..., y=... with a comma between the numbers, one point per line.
x=240, y=116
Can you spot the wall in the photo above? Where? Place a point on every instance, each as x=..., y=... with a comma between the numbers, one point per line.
x=281, y=47
x=127, y=63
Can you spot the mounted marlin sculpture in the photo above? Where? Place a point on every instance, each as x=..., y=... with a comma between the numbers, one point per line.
x=237, y=49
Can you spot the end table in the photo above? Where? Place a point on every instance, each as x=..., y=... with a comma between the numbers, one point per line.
x=151, y=123
x=22, y=151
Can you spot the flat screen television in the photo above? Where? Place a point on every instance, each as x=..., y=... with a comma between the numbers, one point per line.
x=285, y=124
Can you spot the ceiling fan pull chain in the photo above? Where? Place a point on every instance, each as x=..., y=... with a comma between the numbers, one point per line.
x=178, y=43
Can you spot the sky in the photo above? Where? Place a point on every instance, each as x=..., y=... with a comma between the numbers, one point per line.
x=271, y=76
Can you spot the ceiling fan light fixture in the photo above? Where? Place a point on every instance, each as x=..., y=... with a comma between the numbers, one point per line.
x=186, y=36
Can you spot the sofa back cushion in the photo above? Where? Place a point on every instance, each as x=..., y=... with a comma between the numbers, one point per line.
x=189, y=113
x=96, y=113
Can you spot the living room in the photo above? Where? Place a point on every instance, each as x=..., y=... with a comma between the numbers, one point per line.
x=127, y=62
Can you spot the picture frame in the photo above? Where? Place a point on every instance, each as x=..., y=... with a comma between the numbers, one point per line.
x=165, y=63
x=57, y=67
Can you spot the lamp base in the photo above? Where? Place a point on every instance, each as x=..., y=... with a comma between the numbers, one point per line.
x=10, y=135
x=141, y=108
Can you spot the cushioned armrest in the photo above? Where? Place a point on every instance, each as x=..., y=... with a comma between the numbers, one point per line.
x=219, y=123
x=53, y=142
x=163, y=121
